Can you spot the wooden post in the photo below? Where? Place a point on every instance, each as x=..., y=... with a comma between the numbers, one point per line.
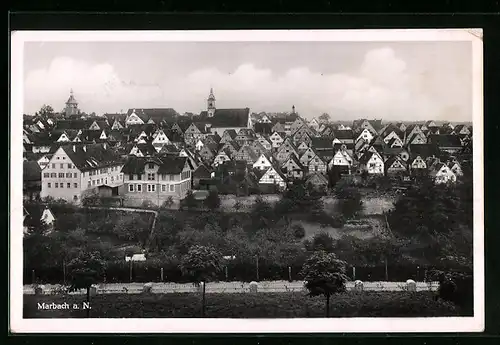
x=386, y=271
x=353, y=273
x=289, y=273
x=227, y=276
x=131, y=270
x=203, y=302
x=257, y=265
x=161, y=274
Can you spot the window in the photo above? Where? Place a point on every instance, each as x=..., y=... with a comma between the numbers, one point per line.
x=57, y=185
x=139, y=187
x=131, y=177
x=58, y=157
x=53, y=166
x=163, y=177
x=62, y=165
x=151, y=187
x=93, y=182
x=75, y=185
x=53, y=175
x=69, y=185
x=70, y=165
x=151, y=165
x=61, y=175
x=171, y=178
x=315, y=168
x=171, y=188
x=46, y=175
x=163, y=188
x=75, y=175
x=89, y=183
x=130, y=187
x=106, y=181
x=69, y=175
x=372, y=165
x=271, y=176
x=75, y=197
x=49, y=185
x=112, y=179
x=151, y=177
x=139, y=177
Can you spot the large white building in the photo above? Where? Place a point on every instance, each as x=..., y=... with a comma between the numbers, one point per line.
x=75, y=171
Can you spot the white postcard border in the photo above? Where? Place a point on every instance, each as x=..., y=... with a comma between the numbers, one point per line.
x=197, y=325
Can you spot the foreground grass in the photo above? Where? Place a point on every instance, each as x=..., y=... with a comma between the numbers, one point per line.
x=246, y=305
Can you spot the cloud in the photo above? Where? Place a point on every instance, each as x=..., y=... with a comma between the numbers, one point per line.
x=381, y=87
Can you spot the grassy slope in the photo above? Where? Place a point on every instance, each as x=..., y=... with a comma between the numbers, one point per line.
x=261, y=305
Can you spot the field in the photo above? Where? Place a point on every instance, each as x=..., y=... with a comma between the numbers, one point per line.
x=247, y=305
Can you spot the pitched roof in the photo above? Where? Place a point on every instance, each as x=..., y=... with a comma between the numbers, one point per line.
x=118, y=116
x=263, y=128
x=343, y=134
x=73, y=124
x=202, y=172
x=89, y=157
x=321, y=143
x=228, y=117
x=168, y=164
x=156, y=114
x=445, y=140
x=423, y=150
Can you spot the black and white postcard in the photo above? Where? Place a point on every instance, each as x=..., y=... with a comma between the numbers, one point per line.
x=247, y=181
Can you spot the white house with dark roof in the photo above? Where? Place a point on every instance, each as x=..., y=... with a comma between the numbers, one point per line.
x=156, y=179
x=75, y=171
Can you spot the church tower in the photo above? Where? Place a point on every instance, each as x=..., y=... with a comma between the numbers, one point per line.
x=211, y=103
x=71, y=105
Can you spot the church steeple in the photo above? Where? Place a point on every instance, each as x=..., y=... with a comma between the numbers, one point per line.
x=211, y=103
x=71, y=105
x=293, y=109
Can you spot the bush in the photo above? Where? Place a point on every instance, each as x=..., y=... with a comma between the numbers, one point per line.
x=298, y=231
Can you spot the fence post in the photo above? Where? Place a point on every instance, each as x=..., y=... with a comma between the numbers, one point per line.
x=225, y=271
x=161, y=274
x=353, y=273
x=289, y=273
x=386, y=271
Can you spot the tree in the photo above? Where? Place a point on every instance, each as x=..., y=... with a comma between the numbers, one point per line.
x=201, y=264
x=213, y=200
x=84, y=271
x=324, y=275
x=45, y=111
x=324, y=117
x=189, y=201
x=261, y=214
x=321, y=242
x=349, y=203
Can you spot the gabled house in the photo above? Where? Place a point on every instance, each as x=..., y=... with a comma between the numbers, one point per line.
x=456, y=168
x=277, y=138
x=285, y=150
x=207, y=154
x=343, y=136
x=247, y=154
x=258, y=148
x=35, y=215
x=292, y=168
x=157, y=179
x=372, y=163
x=318, y=181
x=231, y=147
x=298, y=123
x=461, y=130
x=441, y=173
x=342, y=158
x=273, y=176
x=117, y=125
x=395, y=142
x=395, y=166
x=265, y=143
x=133, y=119
x=278, y=127
x=365, y=134
x=303, y=133
x=302, y=148
x=372, y=125
x=264, y=162
x=228, y=135
x=221, y=158
x=314, y=124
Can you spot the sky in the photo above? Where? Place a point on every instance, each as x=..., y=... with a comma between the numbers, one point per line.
x=348, y=80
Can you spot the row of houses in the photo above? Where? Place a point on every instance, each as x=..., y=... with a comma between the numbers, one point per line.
x=157, y=154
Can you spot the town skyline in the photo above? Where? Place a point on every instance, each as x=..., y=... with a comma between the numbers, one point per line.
x=392, y=81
